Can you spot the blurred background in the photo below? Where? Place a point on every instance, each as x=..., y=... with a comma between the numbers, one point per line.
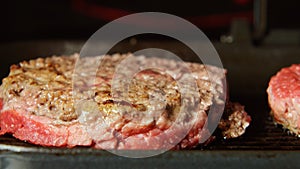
x=79, y=19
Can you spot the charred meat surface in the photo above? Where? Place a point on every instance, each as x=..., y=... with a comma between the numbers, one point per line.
x=55, y=101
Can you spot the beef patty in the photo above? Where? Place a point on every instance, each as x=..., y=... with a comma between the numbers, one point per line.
x=46, y=102
x=284, y=98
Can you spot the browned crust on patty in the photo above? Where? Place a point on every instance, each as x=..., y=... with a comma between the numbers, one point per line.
x=44, y=87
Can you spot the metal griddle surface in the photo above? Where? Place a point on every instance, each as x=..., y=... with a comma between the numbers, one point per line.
x=249, y=70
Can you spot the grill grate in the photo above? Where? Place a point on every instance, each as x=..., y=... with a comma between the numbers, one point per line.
x=262, y=134
x=272, y=137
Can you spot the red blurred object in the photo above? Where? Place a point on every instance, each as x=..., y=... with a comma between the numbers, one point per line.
x=207, y=21
x=242, y=2
x=96, y=11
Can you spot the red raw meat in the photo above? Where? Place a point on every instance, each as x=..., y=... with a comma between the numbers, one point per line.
x=284, y=97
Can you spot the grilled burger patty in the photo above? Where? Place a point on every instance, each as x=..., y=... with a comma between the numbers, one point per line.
x=43, y=104
x=284, y=98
